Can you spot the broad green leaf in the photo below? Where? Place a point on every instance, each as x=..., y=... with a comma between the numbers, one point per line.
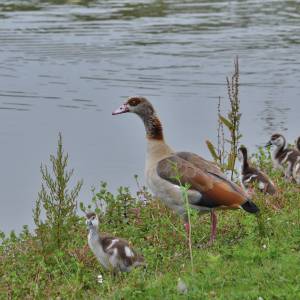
x=230, y=162
x=226, y=122
x=212, y=150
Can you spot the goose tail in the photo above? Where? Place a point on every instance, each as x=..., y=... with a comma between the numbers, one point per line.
x=250, y=207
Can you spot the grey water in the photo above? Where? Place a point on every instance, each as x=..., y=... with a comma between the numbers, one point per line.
x=65, y=65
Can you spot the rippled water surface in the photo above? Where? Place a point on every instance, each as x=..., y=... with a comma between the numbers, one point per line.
x=65, y=65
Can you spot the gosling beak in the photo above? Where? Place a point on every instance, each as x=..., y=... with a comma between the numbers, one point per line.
x=121, y=110
x=268, y=144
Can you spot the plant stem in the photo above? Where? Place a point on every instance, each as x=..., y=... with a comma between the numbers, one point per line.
x=184, y=190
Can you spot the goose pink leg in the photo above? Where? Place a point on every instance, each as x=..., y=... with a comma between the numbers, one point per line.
x=213, y=219
x=187, y=229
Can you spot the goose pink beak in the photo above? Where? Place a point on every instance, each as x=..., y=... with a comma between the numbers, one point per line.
x=121, y=110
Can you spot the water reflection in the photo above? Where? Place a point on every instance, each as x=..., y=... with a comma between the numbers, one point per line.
x=19, y=6
x=274, y=116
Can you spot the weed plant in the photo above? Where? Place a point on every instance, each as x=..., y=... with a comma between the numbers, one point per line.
x=57, y=202
x=225, y=152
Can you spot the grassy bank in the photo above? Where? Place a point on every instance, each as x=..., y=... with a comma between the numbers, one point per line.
x=252, y=258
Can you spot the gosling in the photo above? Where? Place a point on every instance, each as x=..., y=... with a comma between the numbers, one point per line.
x=113, y=253
x=251, y=176
x=285, y=158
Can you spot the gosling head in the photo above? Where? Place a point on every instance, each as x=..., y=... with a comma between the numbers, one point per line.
x=298, y=143
x=277, y=140
x=92, y=220
x=242, y=153
x=138, y=105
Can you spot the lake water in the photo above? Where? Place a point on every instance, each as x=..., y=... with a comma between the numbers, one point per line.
x=65, y=65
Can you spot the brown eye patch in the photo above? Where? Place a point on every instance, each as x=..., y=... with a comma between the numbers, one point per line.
x=134, y=101
x=275, y=136
x=90, y=215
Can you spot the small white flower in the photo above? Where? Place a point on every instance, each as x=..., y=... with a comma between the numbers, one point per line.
x=100, y=279
x=181, y=287
x=265, y=247
x=260, y=298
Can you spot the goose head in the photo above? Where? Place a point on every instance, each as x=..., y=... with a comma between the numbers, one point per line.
x=138, y=105
x=144, y=109
x=92, y=220
x=276, y=140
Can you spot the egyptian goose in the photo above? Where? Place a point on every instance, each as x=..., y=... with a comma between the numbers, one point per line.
x=209, y=188
x=251, y=176
x=113, y=253
x=285, y=158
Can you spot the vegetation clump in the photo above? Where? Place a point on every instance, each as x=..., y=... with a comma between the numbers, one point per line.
x=225, y=153
x=244, y=262
x=57, y=202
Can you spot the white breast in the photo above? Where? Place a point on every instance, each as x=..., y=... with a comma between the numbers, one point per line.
x=169, y=193
x=162, y=189
x=97, y=249
x=261, y=185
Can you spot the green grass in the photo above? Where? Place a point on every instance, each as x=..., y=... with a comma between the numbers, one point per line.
x=251, y=258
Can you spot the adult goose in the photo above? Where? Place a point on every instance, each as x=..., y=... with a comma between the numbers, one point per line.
x=209, y=188
x=113, y=253
x=284, y=158
x=251, y=176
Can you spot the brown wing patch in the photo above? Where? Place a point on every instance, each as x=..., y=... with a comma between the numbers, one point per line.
x=212, y=169
x=200, y=162
x=223, y=195
x=216, y=190
x=127, y=260
x=172, y=167
x=106, y=241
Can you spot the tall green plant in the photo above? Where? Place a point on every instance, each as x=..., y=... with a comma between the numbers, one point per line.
x=184, y=189
x=56, y=201
x=226, y=151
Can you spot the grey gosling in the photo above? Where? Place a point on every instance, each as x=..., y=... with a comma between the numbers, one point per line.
x=284, y=158
x=113, y=253
x=251, y=176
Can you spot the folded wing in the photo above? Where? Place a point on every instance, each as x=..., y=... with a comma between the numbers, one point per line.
x=202, y=176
